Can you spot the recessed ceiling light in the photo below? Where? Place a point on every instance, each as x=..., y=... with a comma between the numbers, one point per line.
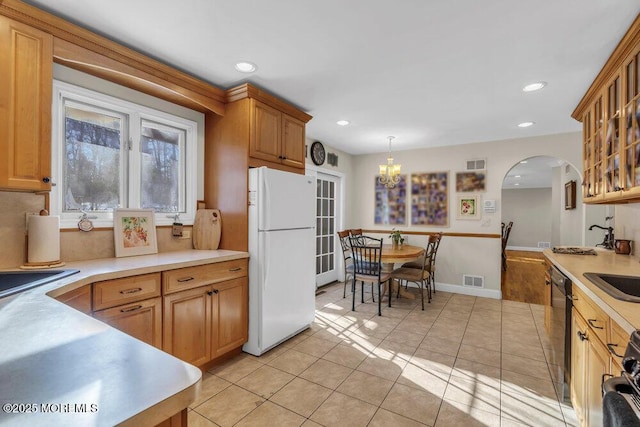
x=524, y=161
x=343, y=122
x=526, y=124
x=534, y=86
x=517, y=183
x=517, y=176
x=246, y=67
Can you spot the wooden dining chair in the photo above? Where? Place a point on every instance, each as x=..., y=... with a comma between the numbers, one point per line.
x=343, y=236
x=432, y=265
x=421, y=276
x=506, y=231
x=366, y=253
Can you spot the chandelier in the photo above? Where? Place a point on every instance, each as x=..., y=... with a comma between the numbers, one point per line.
x=389, y=173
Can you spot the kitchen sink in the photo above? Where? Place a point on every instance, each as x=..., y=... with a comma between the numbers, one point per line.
x=625, y=288
x=12, y=282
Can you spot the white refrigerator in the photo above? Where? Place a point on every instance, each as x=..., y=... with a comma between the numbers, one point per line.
x=282, y=257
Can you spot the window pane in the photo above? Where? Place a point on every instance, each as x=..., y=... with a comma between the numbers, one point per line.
x=93, y=140
x=162, y=157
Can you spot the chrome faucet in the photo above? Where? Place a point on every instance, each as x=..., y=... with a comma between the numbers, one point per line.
x=607, y=243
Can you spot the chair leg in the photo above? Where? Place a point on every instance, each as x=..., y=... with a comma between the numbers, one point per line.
x=373, y=297
x=422, y=293
x=353, y=294
x=362, y=292
x=433, y=281
x=379, y=300
x=390, y=280
x=399, y=284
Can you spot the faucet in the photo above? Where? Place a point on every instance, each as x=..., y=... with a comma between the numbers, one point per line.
x=607, y=243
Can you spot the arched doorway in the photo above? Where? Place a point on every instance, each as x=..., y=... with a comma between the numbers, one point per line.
x=534, y=198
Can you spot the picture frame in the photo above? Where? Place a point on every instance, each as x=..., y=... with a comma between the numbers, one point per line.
x=430, y=199
x=468, y=207
x=471, y=181
x=570, y=195
x=391, y=203
x=134, y=232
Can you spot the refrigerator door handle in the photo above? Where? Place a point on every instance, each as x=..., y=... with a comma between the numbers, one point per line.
x=265, y=257
x=266, y=202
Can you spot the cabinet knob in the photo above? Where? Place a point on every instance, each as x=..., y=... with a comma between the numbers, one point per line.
x=209, y=293
x=215, y=291
x=46, y=179
x=582, y=336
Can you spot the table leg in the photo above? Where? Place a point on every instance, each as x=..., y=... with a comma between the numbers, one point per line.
x=388, y=268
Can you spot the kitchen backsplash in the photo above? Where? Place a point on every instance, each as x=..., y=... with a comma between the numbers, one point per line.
x=627, y=225
x=74, y=245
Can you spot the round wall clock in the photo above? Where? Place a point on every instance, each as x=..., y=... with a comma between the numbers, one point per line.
x=317, y=153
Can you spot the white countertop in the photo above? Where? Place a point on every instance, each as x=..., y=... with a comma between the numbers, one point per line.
x=626, y=314
x=55, y=358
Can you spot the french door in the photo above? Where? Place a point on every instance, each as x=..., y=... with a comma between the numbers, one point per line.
x=328, y=201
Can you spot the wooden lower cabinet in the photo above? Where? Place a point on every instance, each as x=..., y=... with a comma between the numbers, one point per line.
x=590, y=364
x=80, y=299
x=230, y=316
x=206, y=322
x=141, y=320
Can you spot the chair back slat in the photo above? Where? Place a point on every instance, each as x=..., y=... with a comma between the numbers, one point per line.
x=367, y=255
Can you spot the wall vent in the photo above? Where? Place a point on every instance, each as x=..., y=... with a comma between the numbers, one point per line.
x=544, y=244
x=474, y=281
x=476, y=164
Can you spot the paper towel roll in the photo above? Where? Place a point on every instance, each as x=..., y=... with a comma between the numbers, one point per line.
x=44, y=239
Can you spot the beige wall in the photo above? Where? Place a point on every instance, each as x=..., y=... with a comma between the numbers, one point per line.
x=458, y=256
x=627, y=225
x=530, y=211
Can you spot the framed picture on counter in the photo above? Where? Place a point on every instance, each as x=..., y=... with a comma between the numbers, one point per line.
x=134, y=231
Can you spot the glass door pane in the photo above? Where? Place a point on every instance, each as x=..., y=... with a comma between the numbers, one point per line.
x=327, y=248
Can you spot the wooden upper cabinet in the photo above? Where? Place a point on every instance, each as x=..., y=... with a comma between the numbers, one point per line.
x=293, y=147
x=266, y=133
x=276, y=129
x=26, y=75
x=610, y=116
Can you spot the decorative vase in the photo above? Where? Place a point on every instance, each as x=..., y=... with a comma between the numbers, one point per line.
x=395, y=244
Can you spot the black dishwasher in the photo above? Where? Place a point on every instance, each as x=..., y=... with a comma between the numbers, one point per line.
x=561, y=305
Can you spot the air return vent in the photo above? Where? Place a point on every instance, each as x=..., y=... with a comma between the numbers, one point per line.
x=474, y=281
x=476, y=164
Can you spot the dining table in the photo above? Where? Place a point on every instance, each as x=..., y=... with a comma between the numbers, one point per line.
x=392, y=254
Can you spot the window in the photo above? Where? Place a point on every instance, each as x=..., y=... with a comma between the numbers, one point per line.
x=110, y=153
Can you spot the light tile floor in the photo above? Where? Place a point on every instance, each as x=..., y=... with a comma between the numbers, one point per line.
x=463, y=361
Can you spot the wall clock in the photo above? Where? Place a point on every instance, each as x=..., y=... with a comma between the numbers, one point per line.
x=317, y=153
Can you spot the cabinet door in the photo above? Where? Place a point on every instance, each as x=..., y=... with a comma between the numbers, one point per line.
x=579, y=351
x=265, y=132
x=187, y=325
x=293, y=150
x=26, y=61
x=230, y=316
x=80, y=299
x=597, y=367
x=141, y=320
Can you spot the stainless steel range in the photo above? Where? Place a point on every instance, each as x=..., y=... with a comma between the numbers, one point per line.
x=621, y=401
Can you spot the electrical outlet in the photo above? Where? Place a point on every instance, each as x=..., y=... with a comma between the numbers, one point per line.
x=186, y=233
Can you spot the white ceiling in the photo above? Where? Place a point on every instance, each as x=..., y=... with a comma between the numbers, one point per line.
x=535, y=172
x=430, y=72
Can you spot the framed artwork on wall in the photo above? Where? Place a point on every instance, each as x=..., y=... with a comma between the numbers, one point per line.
x=570, y=195
x=468, y=207
x=391, y=203
x=471, y=181
x=134, y=231
x=430, y=199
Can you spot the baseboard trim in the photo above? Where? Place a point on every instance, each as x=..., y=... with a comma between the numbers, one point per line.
x=525, y=248
x=466, y=290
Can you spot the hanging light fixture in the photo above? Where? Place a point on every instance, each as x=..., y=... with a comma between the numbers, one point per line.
x=389, y=173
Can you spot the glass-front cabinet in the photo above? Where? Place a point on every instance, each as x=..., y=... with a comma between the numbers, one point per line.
x=610, y=116
x=631, y=110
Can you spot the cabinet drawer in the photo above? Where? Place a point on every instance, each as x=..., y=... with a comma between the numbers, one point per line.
x=128, y=289
x=617, y=344
x=597, y=319
x=141, y=320
x=193, y=277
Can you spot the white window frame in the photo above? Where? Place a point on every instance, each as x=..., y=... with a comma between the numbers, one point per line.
x=137, y=114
